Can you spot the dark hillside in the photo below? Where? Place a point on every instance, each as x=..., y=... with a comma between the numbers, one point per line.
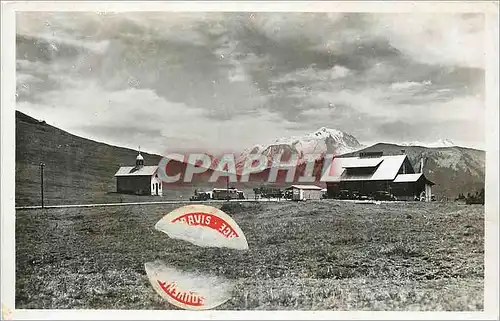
x=75, y=168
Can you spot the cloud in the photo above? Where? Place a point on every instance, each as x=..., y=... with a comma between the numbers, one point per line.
x=339, y=72
x=376, y=113
x=135, y=117
x=23, y=79
x=410, y=85
x=440, y=38
x=432, y=132
x=311, y=74
x=225, y=73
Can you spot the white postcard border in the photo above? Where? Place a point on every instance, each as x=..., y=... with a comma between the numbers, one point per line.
x=7, y=167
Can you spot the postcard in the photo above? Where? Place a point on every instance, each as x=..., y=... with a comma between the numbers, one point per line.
x=249, y=160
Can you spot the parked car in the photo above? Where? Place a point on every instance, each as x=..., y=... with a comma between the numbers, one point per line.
x=355, y=195
x=344, y=194
x=200, y=197
x=384, y=196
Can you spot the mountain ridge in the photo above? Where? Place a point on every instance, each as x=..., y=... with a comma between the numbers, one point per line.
x=78, y=167
x=306, y=147
x=444, y=142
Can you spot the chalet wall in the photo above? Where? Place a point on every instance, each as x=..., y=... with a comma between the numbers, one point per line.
x=362, y=187
x=406, y=167
x=407, y=189
x=403, y=191
x=139, y=185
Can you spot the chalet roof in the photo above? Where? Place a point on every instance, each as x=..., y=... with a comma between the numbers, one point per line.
x=306, y=187
x=134, y=171
x=356, y=177
x=403, y=178
x=363, y=162
x=387, y=168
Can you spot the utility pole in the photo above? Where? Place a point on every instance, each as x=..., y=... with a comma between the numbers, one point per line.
x=41, y=181
x=227, y=187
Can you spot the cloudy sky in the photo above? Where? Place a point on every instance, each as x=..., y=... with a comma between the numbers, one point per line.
x=225, y=81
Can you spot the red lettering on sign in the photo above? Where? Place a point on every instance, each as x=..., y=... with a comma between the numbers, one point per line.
x=208, y=220
x=188, y=298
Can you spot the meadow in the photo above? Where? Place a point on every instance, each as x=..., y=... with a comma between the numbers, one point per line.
x=312, y=255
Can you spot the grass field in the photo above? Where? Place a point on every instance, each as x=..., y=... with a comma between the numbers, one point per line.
x=311, y=255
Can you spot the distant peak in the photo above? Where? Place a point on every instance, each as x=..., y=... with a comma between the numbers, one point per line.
x=445, y=142
x=324, y=131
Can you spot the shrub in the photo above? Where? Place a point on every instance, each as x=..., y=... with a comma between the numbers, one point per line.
x=477, y=198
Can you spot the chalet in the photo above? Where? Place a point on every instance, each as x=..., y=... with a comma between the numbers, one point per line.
x=372, y=173
x=305, y=192
x=138, y=179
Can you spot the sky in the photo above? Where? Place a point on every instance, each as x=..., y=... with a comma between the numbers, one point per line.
x=221, y=81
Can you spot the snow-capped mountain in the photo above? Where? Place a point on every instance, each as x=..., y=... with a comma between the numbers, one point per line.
x=308, y=147
x=437, y=144
x=441, y=143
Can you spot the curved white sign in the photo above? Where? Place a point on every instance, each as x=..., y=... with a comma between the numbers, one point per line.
x=187, y=290
x=204, y=226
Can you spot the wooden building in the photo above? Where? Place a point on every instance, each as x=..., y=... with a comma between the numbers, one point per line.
x=305, y=192
x=372, y=173
x=227, y=193
x=138, y=179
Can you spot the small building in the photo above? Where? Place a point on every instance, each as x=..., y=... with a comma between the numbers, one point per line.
x=139, y=179
x=305, y=192
x=227, y=193
x=374, y=173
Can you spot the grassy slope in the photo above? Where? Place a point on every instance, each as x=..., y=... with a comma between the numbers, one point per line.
x=77, y=169
x=312, y=255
